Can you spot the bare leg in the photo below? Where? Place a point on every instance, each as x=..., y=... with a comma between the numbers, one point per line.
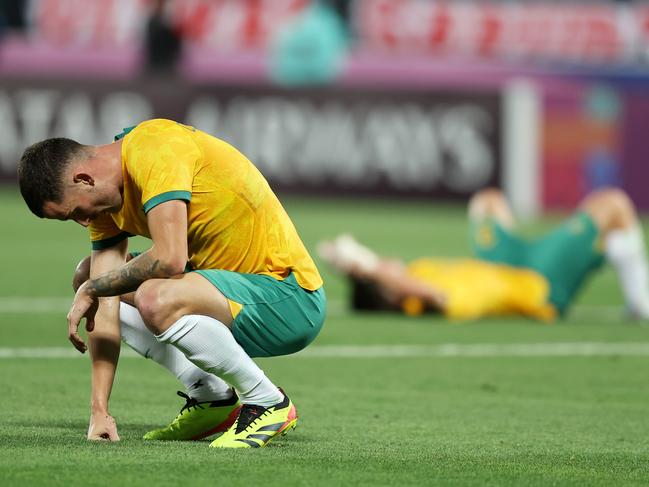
x=611, y=209
x=491, y=203
x=81, y=273
x=614, y=214
x=162, y=302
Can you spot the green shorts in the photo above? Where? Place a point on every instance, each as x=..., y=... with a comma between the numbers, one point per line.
x=273, y=317
x=566, y=256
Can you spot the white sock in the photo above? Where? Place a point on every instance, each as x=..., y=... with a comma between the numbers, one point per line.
x=199, y=384
x=625, y=249
x=210, y=345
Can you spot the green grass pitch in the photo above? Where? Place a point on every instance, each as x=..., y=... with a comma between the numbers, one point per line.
x=402, y=420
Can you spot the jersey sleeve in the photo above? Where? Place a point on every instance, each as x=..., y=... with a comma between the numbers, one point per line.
x=161, y=157
x=104, y=233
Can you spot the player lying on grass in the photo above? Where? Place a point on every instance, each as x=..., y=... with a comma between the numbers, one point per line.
x=509, y=275
x=251, y=289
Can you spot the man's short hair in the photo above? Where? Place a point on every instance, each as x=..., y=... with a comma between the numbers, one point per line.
x=41, y=168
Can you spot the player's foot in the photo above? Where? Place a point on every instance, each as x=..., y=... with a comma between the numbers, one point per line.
x=256, y=426
x=198, y=420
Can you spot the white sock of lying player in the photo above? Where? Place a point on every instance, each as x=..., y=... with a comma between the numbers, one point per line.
x=210, y=345
x=625, y=249
x=199, y=384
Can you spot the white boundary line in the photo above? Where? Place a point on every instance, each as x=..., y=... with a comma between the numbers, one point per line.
x=34, y=305
x=570, y=349
x=446, y=350
x=335, y=307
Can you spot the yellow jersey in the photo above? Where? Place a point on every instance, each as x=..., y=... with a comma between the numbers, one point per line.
x=476, y=289
x=235, y=221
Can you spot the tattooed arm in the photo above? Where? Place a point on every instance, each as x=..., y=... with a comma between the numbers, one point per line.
x=166, y=258
x=128, y=277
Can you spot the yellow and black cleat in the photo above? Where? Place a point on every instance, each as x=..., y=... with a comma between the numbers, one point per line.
x=198, y=420
x=256, y=426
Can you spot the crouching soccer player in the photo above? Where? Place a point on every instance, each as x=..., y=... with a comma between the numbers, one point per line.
x=227, y=277
x=509, y=275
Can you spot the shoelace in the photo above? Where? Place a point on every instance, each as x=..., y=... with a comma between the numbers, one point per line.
x=191, y=402
x=248, y=415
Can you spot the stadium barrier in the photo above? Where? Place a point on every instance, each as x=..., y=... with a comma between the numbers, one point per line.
x=434, y=144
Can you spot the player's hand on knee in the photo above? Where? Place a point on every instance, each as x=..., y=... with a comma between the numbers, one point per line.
x=102, y=428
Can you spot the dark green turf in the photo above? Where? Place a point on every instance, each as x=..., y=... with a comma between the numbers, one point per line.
x=400, y=421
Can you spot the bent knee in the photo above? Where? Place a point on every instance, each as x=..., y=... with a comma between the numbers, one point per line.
x=81, y=273
x=610, y=208
x=488, y=194
x=490, y=203
x=608, y=196
x=156, y=305
x=162, y=302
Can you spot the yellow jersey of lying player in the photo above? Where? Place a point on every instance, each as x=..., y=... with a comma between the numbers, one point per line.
x=235, y=221
x=475, y=289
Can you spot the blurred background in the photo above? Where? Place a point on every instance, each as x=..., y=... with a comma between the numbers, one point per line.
x=405, y=98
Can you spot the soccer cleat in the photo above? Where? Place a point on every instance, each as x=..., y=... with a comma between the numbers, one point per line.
x=198, y=420
x=256, y=426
